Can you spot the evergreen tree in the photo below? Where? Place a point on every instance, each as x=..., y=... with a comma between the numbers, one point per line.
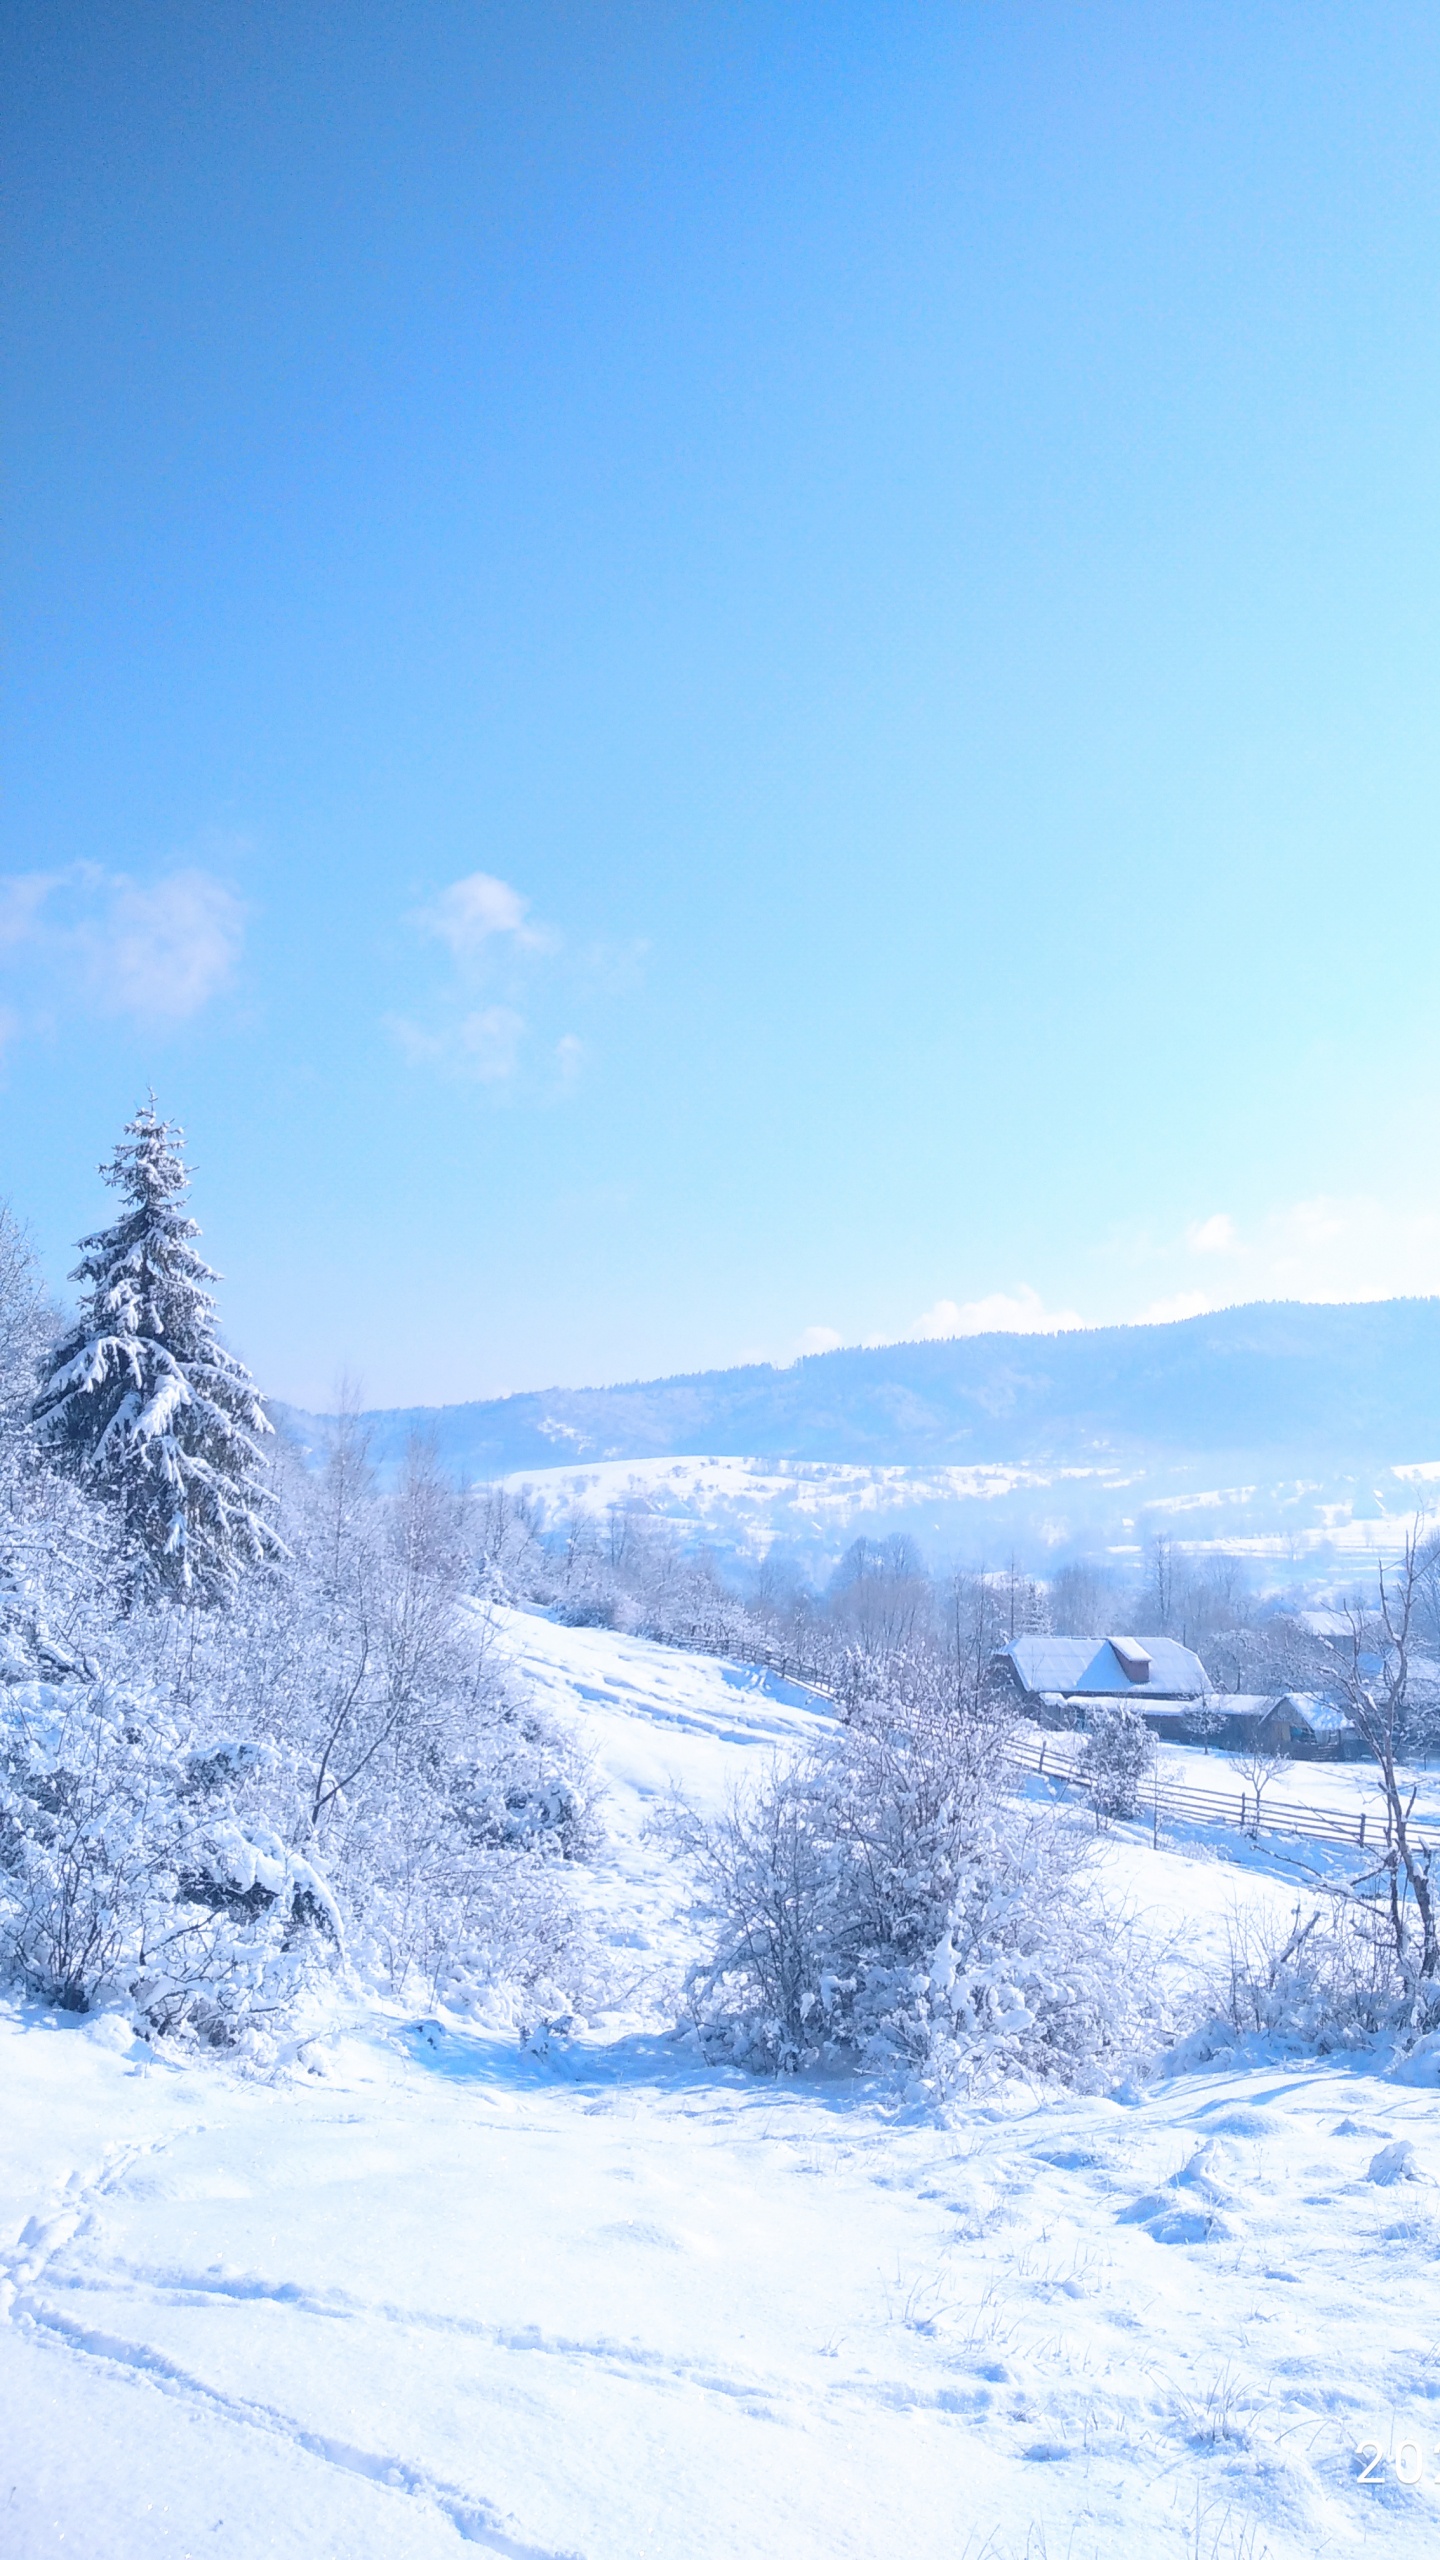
x=141, y=1400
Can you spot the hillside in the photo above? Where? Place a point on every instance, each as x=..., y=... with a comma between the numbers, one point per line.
x=424, y=2289
x=1274, y=1429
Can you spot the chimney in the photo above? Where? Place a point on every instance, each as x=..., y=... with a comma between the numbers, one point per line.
x=1133, y=1659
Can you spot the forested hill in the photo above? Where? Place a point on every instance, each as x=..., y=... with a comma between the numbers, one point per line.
x=1334, y=1384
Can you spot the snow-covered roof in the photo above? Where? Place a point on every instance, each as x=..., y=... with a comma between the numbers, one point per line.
x=1323, y=1715
x=1321, y=1622
x=1239, y=1703
x=1078, y=1667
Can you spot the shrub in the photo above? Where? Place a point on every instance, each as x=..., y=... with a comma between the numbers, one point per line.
x=1116, y=1758
x=886, y=1903
x=136, y=1866
x=1326, y=1980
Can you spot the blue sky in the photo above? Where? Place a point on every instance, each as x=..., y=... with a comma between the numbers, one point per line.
x=696, y=680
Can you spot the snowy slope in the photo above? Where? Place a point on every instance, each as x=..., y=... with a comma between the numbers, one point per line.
x=434, y=2290
x=654, y=1720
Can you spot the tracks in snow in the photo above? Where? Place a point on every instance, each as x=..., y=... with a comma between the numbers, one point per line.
x=33, y=2271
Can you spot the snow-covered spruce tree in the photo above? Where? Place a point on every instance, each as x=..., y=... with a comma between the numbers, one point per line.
x=1116, y=1758
x=141, y=1401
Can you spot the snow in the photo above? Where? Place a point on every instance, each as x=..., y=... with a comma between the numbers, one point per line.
x=431, y=2288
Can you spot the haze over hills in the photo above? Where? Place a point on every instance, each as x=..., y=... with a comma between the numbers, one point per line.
x=1297, y=1433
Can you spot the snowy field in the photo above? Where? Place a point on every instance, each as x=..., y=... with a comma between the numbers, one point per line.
x=432, y=2289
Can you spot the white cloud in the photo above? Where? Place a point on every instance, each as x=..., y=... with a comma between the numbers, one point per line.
x=1185, y=1302
x=1310, y=1226
x=1212, y=1235
x=164, y=952
x=158, y=951
x=1334, y=1246
x=489, y=1043
x=1022, y=1311
x=475, y=911
x=1345, y=1247
x=482, y=1048
x=422, y=1048
x=485, y=925
x=22, y=900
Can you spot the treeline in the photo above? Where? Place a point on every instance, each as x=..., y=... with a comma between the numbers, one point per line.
x=878, y=1613
x=882, y=1609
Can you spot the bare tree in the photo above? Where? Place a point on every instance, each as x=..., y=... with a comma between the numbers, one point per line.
x=972, y=1628
x=1260, y=1761
x=1162, y=1574
x=27, y=1323
x=881, y=1597
x=1025, y=1602
x=1377, y=1683
x=1082, y=1601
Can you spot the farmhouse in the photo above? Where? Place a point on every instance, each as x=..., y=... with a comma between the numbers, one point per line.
x=1064, y=1680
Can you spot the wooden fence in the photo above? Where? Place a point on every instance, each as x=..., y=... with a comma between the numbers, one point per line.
x=1237, y=1809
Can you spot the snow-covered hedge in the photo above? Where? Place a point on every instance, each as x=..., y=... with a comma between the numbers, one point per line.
x=1334, y=1976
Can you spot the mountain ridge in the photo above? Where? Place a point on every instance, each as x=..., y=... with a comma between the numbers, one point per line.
x=1348, y=1380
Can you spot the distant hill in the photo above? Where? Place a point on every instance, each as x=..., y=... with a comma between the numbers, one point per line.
x=1289, y=1411
x=1345, y=1381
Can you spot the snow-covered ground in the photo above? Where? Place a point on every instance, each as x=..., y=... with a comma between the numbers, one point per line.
x=434, y=2288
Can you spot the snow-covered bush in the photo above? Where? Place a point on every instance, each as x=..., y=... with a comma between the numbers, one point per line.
x=1325, y=1980
x=443, y=1809
x=886, y=1902
x=217, y=1803
x=137, y=1866
x=1115, y=1759
x=452, y=1863
x=443, y=1805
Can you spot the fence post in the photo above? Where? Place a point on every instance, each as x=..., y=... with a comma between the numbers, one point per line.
x=1242, y=1808
x=1362, y=1830
x=1041, y=1771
